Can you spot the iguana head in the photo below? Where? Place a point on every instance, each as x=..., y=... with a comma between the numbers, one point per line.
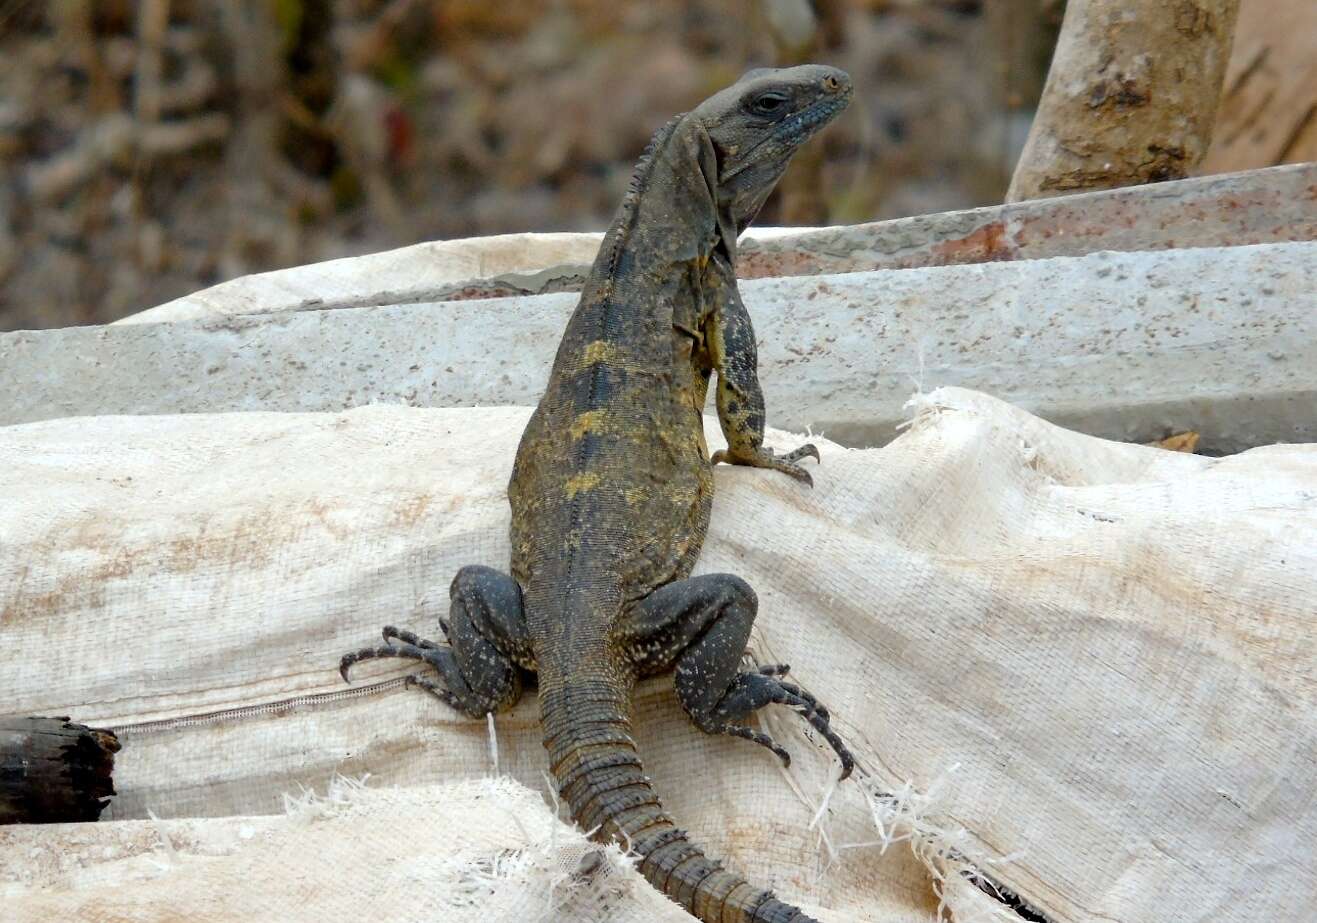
x=758, y=122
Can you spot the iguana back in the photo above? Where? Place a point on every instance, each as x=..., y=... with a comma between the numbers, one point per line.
x=612, y=488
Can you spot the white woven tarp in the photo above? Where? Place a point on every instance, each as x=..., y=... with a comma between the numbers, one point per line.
x=1096, y=659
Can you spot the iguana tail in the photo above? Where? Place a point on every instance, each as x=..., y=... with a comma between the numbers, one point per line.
x=587, y=731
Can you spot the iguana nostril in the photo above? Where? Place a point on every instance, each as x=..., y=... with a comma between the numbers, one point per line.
x=832, y=83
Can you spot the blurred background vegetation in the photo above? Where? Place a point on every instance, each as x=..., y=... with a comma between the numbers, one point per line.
x=154, y=147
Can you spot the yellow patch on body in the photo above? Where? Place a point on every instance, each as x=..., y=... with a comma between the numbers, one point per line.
x=598, y=351
x=586, y=480
x=589, y=422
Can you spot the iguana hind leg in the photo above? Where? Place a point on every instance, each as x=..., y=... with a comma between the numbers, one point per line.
x=701, y=627
x=488, y=645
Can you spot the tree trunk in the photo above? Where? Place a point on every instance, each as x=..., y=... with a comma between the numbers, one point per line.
x=1131, y=96
x=53, y=771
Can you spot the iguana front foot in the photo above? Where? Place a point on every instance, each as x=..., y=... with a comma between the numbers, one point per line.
x=763, y=457
x=488, y=645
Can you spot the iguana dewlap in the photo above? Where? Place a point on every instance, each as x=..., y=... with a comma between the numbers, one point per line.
x=612, y=489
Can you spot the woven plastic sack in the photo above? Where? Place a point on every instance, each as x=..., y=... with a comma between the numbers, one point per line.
x=1081, y=667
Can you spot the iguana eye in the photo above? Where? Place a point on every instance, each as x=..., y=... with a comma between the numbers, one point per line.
x=769, y=103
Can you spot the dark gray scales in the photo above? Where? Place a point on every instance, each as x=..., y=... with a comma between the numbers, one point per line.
x=612, y=488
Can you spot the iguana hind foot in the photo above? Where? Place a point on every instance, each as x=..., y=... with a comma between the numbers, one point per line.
x=751, y=691
x=782, y=669
x=488, y=647
x=701, y=627
x=455, y=692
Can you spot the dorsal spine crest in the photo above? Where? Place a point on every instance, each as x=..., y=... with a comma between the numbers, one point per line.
x=626, y=218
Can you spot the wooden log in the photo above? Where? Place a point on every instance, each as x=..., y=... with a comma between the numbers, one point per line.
x=54, y=771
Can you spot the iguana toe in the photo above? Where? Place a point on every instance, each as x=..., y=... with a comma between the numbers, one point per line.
x=808, y=450
x=759, y=737
x=408, y=645
x=406, y=637
x=439, y=692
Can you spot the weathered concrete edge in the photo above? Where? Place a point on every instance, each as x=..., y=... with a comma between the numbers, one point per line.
x=501, y=265
x=1219, y=340
x=424, y=272
x=1258, y=206
x=1270, y=205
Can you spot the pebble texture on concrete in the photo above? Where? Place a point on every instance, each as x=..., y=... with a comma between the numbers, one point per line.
x=1128, y=346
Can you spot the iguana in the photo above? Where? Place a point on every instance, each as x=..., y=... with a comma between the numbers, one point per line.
x=612, y=487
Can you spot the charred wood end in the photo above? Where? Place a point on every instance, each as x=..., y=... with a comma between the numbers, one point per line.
x=54, y=771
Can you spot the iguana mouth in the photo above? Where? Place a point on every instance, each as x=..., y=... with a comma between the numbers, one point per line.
x=805, y=123
x=795, y=130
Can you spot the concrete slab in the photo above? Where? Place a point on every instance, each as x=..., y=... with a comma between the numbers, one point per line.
x=1254, y=207
x=498, y=266
x=1128, y=346
x=1258, y=206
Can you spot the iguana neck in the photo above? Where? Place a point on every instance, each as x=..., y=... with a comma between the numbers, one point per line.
x=668, y=215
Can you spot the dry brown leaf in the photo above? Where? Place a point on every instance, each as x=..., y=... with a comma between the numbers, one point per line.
x=1180, y=442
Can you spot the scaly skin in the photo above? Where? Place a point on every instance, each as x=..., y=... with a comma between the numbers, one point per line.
x=612, y=489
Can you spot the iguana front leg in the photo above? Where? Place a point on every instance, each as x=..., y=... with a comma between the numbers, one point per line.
x=730, y=339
